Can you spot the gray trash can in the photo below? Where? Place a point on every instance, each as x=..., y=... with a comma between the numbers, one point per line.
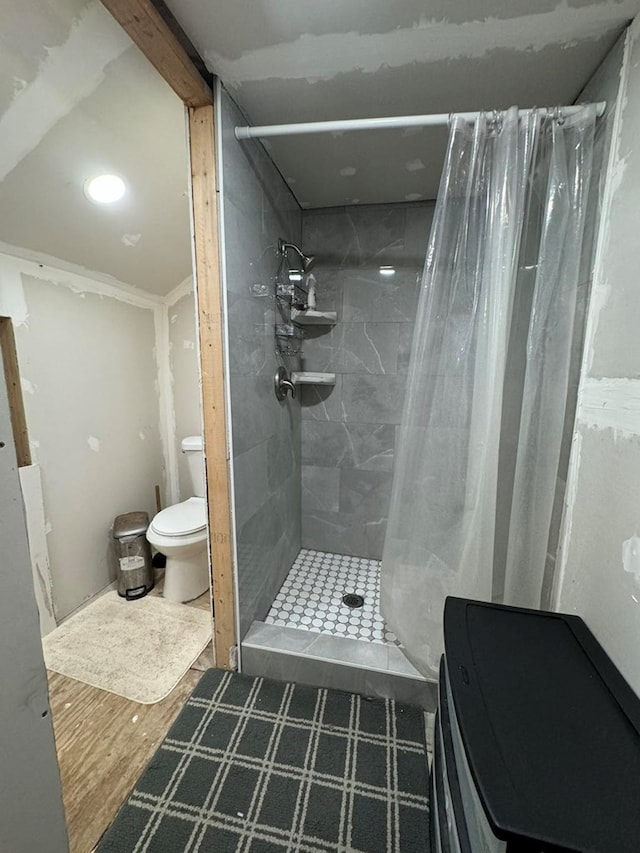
x=135, y=570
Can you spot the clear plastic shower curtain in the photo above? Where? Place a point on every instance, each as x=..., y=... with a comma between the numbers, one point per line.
x=440, y=534
x=569, y=165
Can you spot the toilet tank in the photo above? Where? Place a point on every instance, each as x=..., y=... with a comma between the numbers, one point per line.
x=192, y=448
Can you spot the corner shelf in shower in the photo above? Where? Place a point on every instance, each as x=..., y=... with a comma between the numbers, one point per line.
x=310, y=378
x=311, y=317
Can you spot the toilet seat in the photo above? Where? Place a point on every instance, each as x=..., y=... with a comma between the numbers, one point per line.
x=189, y=516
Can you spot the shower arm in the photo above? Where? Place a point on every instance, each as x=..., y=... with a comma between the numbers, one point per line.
x=307, y=261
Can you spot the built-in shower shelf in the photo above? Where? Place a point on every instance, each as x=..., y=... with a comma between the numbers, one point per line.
x=309, y=378
x=311, y=317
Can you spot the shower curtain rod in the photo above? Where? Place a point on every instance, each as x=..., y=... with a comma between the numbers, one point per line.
x=388, y=122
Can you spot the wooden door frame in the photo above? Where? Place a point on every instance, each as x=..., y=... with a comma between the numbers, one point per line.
x=159, y=36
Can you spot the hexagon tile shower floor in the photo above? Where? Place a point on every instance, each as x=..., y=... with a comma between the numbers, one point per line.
x=311, y=597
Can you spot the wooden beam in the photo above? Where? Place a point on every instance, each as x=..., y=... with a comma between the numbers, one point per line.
x=147, y=27
x=14, y=392
x=211, y=330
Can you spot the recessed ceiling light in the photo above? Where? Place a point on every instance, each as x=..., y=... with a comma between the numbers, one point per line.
x=105, y=189
x=387, y=270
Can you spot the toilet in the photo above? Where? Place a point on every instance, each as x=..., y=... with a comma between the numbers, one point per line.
x=180, y=533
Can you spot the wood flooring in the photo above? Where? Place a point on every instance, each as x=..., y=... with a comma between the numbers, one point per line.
x=104, y=742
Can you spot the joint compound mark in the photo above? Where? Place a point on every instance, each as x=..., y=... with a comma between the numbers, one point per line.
x=611, y=404
x=44, y=589
x=631, y=557
x=76, y=68
x=331, y=54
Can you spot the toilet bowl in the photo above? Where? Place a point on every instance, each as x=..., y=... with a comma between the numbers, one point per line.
x=180, y=533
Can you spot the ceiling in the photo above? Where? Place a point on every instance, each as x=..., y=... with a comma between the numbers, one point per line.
x=303, y=60
x=77, y=98
x=72, y=85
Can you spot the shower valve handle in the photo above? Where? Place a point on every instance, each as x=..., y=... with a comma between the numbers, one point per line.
x=282, y=384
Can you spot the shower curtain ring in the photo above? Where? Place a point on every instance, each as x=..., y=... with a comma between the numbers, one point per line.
x=559, y=116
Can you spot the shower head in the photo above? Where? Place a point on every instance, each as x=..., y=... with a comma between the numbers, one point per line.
x=307, y=260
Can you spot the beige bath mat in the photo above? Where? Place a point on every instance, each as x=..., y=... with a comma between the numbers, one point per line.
x=137, y=649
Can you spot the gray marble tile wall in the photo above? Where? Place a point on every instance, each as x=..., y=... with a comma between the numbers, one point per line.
x=349, y=431
x=257, y=209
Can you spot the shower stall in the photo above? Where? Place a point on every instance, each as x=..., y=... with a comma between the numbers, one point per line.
x=313, y=473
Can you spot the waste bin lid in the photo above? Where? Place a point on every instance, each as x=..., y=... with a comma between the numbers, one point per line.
x=130, y=524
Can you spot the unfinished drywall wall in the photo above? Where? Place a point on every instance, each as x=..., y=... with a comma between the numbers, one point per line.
x=599, y=575
x=185, y=382
x=88, y=368
x=31, y=811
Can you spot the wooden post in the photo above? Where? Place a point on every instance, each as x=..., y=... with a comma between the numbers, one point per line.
x=211, y=329
x=14, y=392
x=148, y=28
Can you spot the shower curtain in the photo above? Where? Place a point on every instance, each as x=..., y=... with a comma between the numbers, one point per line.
x=511, y=182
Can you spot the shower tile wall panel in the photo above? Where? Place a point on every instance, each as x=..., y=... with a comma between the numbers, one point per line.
x=258, y=208
x=349, y=431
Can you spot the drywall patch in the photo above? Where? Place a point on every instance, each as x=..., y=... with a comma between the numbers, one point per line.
x=12, y=300
x=16, y=262
x=631, y=558
x=94, y=443
x=68, y=75
x=131, y=240
x=31, y=486
x=348, y=171
x=188, y=345
x=414, y=165
x=323, y=57
x=611, y=404
x=185, y=288
x=18, y=85
x=27, y=387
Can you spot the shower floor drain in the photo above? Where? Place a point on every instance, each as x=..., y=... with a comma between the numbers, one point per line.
x=352, y=600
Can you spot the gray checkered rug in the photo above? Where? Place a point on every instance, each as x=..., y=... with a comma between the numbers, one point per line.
x=261, y=766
